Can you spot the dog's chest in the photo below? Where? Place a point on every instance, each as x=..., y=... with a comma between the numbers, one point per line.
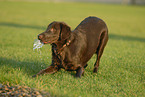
x=68, y=57
x=69, y=60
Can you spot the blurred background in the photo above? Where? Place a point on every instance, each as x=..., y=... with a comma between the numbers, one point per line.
x=138, y=2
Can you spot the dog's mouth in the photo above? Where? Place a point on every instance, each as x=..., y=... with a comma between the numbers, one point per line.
x=47, y=41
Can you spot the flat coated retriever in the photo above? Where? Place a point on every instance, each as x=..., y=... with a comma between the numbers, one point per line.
x=71, y=50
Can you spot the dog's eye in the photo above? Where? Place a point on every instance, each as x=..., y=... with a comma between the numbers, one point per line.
x=52, y=30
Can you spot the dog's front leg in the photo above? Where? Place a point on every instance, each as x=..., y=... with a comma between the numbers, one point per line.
x=79, y=72
x=49, y=70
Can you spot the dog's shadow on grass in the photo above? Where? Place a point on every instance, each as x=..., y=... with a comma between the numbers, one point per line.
x=28, y=67
x=126, y=38
x=21, y=25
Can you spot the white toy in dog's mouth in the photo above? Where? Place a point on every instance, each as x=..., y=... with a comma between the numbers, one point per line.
x=37, y=44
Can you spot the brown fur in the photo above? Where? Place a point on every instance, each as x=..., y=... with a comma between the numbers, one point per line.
x=71, y=50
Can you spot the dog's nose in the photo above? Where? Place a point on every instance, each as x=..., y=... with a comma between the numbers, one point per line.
x=40, y=36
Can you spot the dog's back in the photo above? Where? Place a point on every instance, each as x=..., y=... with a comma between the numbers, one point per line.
x=91, y=28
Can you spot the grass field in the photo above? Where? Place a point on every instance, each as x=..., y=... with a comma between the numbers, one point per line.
x=122, y=66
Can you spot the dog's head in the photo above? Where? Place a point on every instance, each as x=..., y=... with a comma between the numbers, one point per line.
x=56, y=31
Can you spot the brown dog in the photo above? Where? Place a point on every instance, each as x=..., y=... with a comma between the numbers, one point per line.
x=71, y=50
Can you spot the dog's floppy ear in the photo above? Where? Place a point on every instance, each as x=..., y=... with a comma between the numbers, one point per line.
x=65, y=31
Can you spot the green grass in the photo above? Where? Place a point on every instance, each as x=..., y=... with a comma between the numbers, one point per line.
x=122, y=66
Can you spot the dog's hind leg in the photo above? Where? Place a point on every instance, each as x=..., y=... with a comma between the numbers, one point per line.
x=100, y=49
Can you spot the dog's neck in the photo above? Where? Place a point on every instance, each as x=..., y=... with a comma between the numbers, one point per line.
x=61, y=44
